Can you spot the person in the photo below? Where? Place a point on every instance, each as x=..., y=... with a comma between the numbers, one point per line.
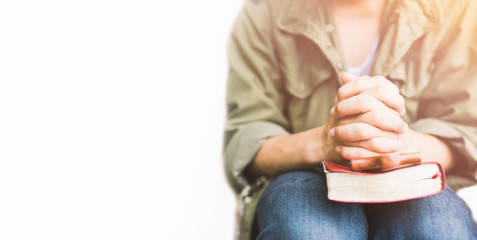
x=349, y=79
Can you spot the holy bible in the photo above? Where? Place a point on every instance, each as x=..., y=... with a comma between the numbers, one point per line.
x=383, y=179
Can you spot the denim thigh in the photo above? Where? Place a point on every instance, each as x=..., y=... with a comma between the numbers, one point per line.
x=442, y=216
x=295, y=206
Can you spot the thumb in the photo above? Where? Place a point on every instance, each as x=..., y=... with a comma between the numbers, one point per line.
x=347, y=77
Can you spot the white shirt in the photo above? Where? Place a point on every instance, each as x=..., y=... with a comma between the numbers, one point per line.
x=365, y=67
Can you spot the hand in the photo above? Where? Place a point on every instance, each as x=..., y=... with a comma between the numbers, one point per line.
x=377, y=87
x=366, y=119
x=365, y=122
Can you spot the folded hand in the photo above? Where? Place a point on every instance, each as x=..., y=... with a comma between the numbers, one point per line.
x=366, y=119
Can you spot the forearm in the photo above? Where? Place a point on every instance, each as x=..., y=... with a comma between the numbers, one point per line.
x=280, y=154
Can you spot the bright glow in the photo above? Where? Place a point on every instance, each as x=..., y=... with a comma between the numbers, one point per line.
x=111, y=119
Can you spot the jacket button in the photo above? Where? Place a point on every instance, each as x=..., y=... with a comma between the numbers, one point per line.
x=339, y=65
x=329, y=27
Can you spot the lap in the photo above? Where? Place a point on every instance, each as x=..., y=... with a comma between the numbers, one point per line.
x=295, y=206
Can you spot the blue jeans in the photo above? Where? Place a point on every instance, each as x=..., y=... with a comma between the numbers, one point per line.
x=295, y=206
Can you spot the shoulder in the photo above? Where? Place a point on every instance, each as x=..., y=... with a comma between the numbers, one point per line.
x=276, y=5
x=265, y=12
x=457, y=10
x=272, y=2
x=454, y=20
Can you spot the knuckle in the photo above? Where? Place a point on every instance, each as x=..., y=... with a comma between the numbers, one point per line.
x=342, y=93
x=337, y=133
x=401, y=101
x=393, y=87
x=380, y=79
x=362, y=101
x=361, y=153
x=361, y=83
x=347, y=153
x=338, y=109
x=390, y=117
x=394, y=147
x=381, y=91
x=361, y=131
x=373, y=144
x=370, y=102
x=368, y=98
x=386, y=83
x=378, y=116
x=394, y=114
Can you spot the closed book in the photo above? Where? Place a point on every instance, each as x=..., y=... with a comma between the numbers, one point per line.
x=383, y=185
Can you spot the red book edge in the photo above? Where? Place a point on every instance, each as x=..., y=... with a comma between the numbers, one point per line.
x=335, y=167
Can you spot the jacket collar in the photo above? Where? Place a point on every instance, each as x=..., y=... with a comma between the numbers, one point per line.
x=405, y=21
x=299, y=16
x=296, y=16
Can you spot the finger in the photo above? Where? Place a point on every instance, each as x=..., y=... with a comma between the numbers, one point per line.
x=385, y=161
x=351, y=153
x=366, y=164
x=358, y=132
x=377, y=144
x=348, y=77
x=360, y=84
x=384, y=119
x=391, y=99
x=361, y=103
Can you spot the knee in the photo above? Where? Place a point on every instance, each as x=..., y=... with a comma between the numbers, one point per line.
x=442, y=216
x=441, y=226
x=303, y=224
x=450, y=218
x=289, y=192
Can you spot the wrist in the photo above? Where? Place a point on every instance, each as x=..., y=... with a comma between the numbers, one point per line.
x=314, y=150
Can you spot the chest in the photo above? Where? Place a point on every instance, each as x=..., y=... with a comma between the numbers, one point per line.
x=310, y=73
x=357, y=38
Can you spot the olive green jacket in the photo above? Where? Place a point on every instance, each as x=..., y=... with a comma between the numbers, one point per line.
x=284, y=68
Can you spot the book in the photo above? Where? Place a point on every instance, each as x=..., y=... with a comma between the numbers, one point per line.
x=394, y=179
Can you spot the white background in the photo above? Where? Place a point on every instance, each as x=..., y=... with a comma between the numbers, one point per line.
x=111, y=118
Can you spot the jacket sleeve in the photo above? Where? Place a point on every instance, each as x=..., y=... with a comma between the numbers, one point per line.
x=255, y=103
x=448, y=106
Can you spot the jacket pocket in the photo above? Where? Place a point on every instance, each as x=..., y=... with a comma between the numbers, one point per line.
x=303, y=74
